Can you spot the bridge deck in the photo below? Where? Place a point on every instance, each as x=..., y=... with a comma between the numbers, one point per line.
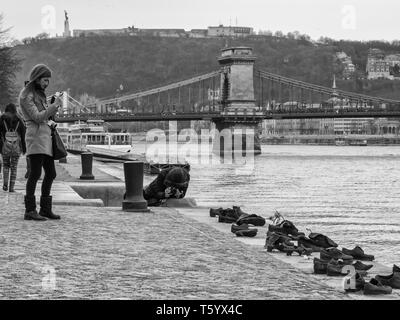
x=215, y=116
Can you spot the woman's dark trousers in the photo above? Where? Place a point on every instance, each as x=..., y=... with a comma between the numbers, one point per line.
x=37, y=162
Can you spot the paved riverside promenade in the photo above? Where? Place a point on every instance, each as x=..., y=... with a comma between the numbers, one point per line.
x=97, y=252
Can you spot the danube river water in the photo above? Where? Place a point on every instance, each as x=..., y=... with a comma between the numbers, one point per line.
x=351, y=194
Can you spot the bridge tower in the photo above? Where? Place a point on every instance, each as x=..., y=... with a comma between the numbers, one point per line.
x=238, y=103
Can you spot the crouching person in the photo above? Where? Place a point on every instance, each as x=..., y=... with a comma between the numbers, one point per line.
x=170, y=183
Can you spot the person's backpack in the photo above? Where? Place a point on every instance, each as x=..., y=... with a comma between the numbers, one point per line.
x=12, y=142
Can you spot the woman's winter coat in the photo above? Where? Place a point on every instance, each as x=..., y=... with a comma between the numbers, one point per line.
x=36, y=112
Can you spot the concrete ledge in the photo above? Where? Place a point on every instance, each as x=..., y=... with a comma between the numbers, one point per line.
x=110, y=195
x=79, y=203
x=180, y=203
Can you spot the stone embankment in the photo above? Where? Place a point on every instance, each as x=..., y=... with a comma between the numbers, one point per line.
x=97, y=252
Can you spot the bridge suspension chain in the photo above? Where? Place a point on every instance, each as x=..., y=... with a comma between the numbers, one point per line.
x=323, y=90
x=160, y=89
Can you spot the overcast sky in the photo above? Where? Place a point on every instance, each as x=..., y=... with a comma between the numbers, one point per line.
x=338, y=19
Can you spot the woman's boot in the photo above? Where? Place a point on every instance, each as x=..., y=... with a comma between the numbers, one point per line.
x=30, y=209
x=12, y=184
x=45, y=208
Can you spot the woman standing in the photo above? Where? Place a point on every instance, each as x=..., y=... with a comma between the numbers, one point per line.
x=36, y=114
x=12, y=144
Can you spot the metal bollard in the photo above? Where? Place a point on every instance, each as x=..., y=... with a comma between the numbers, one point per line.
x=87, y=164
x=134, y=200
x=63, y=160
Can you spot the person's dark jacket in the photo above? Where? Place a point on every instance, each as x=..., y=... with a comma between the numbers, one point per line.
x=11, y=120
x=156, y=189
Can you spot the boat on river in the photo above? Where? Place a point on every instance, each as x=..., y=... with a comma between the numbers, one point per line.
x=362, y=143
x=340, y=142
x=91, y=136
x=350, y=142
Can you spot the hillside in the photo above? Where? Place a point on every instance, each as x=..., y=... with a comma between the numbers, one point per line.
x=98, y=65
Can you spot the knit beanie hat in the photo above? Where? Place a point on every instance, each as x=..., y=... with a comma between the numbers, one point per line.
x=176, y=177
x=39, y=71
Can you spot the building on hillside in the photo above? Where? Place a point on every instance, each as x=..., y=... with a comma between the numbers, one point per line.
x=394, y=65
x=101, y=32
x=172, y=33
x=378, y=69
x=377, y=66
x=224, y=31
x=349, y=67
x=220, y=31
x=393, y=59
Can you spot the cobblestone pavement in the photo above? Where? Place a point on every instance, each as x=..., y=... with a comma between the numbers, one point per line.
x=105, y=253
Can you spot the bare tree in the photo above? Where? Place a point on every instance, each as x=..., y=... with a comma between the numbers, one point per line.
x=9, y=65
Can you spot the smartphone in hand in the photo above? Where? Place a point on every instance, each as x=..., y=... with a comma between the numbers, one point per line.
x=56, y=95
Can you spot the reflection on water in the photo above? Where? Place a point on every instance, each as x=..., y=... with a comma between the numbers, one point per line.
x=351, y=194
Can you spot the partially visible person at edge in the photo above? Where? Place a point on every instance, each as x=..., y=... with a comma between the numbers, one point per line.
x=170, y=183
x=36, y=113
x=28, y=164
x=1, y=162
x=11, y=150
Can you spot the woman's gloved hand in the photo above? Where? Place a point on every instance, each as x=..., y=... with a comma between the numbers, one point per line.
x=168, y=192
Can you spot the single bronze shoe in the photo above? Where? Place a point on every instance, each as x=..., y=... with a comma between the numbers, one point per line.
x=215, y=212
x=392, y=280
x=253, y=219
x=321, y=240
x=334, y=268
x=320, y=266
x=246, y=233
x=333, y=253
x=359, y=285
x=361, y=266
x=358, y=254
x=307, y=243
x=235, y=227
x=374, y=287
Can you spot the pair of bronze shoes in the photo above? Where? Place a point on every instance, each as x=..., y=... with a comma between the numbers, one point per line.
x=334, y=267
